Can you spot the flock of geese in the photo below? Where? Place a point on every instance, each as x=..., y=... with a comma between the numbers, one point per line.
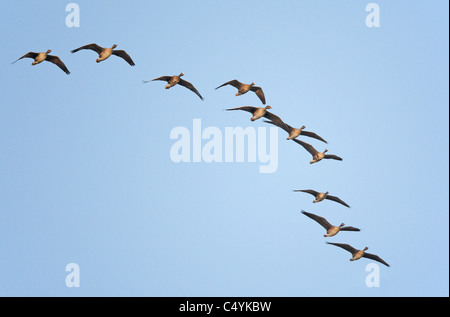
x=257, y=113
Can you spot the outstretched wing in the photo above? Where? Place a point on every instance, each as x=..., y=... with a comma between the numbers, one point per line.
x=58, y=62
x=348, y=228
x=29, y=55
x=259, y=92
x=375, y=258
x=321, y=220
x=312, y=135
x=245, y=108
x=124, y=55
x=344, y=246
x=235, y=83
x=332, y=156
x=92, y=46
x=308, y=147
x=162, y=78
x=336, y=199
x=281, y=124
x=309, y=191
x=189, y=86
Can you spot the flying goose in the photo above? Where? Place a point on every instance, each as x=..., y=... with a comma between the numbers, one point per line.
x=258, y=112
x=357, y=254
x=244, y=88
x=321, y=196
x=317, y=156
x=293, y=132
x=173, y=80
x=331, y=230
x=104, y=53
x=43, y=56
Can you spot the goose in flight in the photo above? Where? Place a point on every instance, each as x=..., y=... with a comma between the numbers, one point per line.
x=244, y=88
x=322, y=196
x=331, y=230
x=174, y=80
x=257, y=112
x=357, y=254
x=104, y=53
x=43, y=56
x=317, y=156
x=294, y=132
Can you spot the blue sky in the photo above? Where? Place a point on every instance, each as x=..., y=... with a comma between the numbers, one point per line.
x=87, y=177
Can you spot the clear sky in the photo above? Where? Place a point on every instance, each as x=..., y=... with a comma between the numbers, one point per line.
x=86, y=174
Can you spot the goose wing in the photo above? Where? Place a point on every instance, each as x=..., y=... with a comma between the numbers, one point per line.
x=344, y=246
x=162, y=78
x=245, y=108
x=259, y=92
x=27, y=55
x=281, y=124
x=336, y=199
x=348, y=228
x=375, y=258
x=235, y=83
x=58, y=62
x=92, y=46
x=124, y=55
x=312, y=135
x=320, y=220
x=308, y=147
x=332, y=156
x=189, y=86
x=309, y=191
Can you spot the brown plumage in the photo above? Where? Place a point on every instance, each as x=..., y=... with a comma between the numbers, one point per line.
x=331, y=230
x=257, y=112
x=104, y=53
x=244, y=88
x=174, y=80
x=293, y=132
x=43, y=56
x=357, y=254
x=317, y=156
x=322, y=196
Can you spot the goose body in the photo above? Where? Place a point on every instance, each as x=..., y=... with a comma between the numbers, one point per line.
x=293, y=133
x=244, y=88
x=105, y=53
x=317, y=156
x=358, y=254
x=44, y=56
x=322, y=196
x=257, y=112
x=331, y=230
x=175, y=80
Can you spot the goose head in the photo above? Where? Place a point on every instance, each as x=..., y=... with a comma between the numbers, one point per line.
x=252, y=84
x=326, y=150
x=182, y=74
x=114, y=46
x=302, y=127
x=341, y=225
x=268, y=107
x=48, y=51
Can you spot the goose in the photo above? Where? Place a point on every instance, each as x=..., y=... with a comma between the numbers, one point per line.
x=322, y=196
x=317, y=156
x=257, y=112
x=43, y=56
x=174, y=80
x=104, y=53
x=331, y=230
x=244, y=88
x=357, y=254
x=293, y=132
